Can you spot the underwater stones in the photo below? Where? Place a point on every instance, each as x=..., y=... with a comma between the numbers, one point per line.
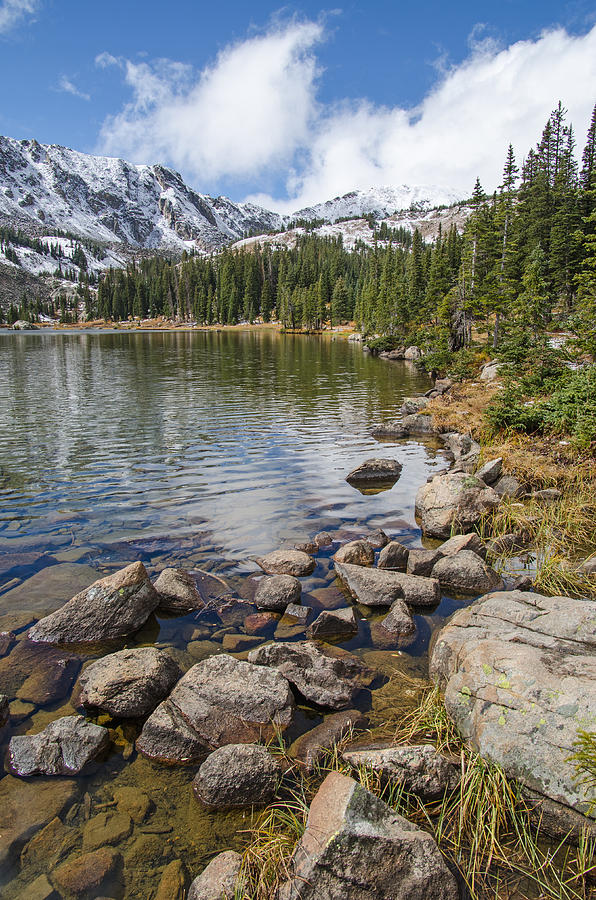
x=325, y=675
x=237, y=775
x=28, y=806
x=88, y=875
x=112, y=607
x=65, y=747
x=106, y=828
x=275, y=592
x=129, y=683
x=221, y=700
x=287, y=562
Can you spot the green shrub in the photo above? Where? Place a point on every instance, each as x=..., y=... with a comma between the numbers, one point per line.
x=382, y=344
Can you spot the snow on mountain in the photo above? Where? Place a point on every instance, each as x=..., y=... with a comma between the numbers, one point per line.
x=380, y=202
x=112, y=201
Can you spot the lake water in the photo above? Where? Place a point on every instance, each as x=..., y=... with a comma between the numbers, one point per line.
x=190, y=449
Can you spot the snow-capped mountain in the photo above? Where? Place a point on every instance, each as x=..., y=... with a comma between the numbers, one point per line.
x=380, y=202
x=112, y=201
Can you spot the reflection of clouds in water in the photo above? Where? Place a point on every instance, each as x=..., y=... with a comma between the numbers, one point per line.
x=252, y=432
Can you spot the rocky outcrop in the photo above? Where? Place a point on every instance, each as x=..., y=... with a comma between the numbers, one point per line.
x=66, y=746
x=375, y=471
x=287, y=562
x=237, y=775
x=380, y=587
x=129, y=683
x=466, y=573
x=519, y=674
x=219, y=880
x=219, y=701
x=453, y=503
x=275, y=592
x=178, y=593
x=310, y=748
x=113, y=607
x=356, y=846
x=324, y=675
x=358, y=553
x=419, y=769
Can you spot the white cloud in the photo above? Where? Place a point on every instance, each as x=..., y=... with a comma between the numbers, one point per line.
x=255, y=114
x=66, y=85
x=12, y=12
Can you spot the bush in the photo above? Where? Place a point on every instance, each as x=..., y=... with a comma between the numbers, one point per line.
x=382, y=344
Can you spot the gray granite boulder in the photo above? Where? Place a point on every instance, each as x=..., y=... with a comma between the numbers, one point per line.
x=358, y=553
x=466, y=573
x=237, y=775
x=491, y=470
x=324, y=675
x=394, y=556
x=276, y=592
x=421, y=561
x=112, y=607
x=334, y=623
x=287, y=562
x=381, y=587
x=357, y=847
x=458, y=542
x=66, y=746
x=509, y=486
x=178, y=592
x=221, y=700
x=219, y=880
x=129, y=683
x=453, y=503
x=519, y=675
x=420, y=769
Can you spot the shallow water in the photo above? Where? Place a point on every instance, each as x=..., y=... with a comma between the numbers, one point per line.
x=187, y=449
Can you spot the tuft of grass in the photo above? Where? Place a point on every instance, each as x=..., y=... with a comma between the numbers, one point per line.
x=584, y=758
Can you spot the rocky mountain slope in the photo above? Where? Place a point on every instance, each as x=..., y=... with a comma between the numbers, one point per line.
x=380, y=202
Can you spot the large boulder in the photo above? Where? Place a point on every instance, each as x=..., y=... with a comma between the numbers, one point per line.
x=327, y=676
x=221, y=700
x=358, y=553
x=219, y=880
x=112, y=607
x=519, y=675
x=357, y=847
x=420, y=769
x=178, y=593
x=237, y=775
x=453, y=503
x=375, y=471
x=275, y=592
x=287, y=562
x=381, y=587
x=466, y=573
x=129, y=683
x=66, y=746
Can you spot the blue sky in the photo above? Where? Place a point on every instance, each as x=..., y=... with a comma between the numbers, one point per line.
x=297, y=103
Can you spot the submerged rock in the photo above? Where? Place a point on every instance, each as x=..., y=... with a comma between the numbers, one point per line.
x=218, y=881
x=519, y=674
x=358, y=553
x=221, y=700
x=325, y=675
x=90, y=875
x=65, y=747
x=172, y=882
x=356, y=846
x=287, y=562
x=112, y=607
x=237, y=775
x=380, y=587
x=375, y=471
x=467, y=573
x=310, y=748
x=129, y=683
x=453, y=503
x=275, y=592
x=420, y=769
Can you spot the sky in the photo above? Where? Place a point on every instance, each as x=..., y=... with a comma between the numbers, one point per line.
x=292, y=105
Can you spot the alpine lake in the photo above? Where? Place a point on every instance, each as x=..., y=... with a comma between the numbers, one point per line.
x=190, y=449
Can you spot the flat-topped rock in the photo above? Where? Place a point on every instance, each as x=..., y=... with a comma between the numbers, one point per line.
x=220, y=700
x=382, y=587
x=287, y=562
x=113, y=607
x=453, y=504
x=65, y=747
x=419, y=768
x=355, y=846
x=237, y=775
x=466, y=573
x=470, y=541
x=375, y=471
x=129, y=683
x=325, y=675
x=519, y=674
